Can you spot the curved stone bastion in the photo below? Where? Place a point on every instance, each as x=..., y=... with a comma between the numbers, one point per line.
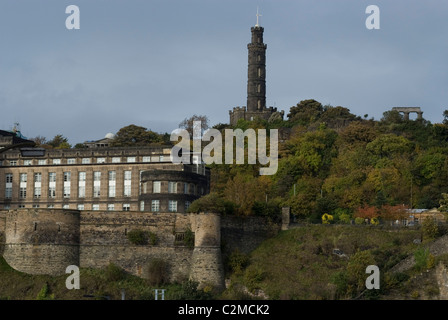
x=42, y=241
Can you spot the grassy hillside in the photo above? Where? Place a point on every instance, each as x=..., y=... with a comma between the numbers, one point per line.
x=300, y=264
x=103, y=284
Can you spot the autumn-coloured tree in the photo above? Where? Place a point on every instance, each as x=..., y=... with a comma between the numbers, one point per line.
x=393, y=213
x=245, y=190
x=367, y=212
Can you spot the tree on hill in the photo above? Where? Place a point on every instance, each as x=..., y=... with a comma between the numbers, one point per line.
x=357, y=133
x=133, y=135
x=392, y=116
x=305, y=112
x=337, y=117
x=389, y=145
x=58, y=142
x=188, y=123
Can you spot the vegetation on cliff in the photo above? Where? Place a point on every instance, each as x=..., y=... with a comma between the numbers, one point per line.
x=334, y=162
x=329, y=262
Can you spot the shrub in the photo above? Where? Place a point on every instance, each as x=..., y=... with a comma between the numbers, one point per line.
x=238, y=261
x=430, y=229
x=340, y=280
x=359, y=220
x=44, y=294
x=153, y=239
x=432, y=290
x=356, y=267
x=189, y=238
x=431, y=261
x=157, y=272
x=421, y=256
x=114, y=273
x=396, y=279
x=344, y=218
x=252, y=278
x=212, y=202
x=137, y=236
x=327, y=218
x=189, y=291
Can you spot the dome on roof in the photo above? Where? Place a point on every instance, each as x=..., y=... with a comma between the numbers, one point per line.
x=110, y=136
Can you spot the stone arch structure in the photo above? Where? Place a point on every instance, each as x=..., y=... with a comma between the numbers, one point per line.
x=407, y=110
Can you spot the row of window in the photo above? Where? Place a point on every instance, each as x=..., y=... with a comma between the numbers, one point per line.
x=41, y=162
x=189, y=188
x=67, y=176
x=155, y=206
x=37, y=190
x=110, y=207
x=172, y=205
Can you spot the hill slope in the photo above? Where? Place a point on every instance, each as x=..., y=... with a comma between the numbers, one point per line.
x=301, y=264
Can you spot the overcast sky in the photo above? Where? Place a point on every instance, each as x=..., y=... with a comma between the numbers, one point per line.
x=153, y=63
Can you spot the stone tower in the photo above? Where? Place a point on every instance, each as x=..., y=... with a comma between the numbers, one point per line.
x=207, y=266
x=256, y=83
x=256, y=71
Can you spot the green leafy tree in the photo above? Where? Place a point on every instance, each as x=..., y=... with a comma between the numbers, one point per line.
x=313, y=151
x=305, y=112
x=421, y=256
x=59, y=142
x=389, y=145
x=392, y=116
x=444, y=203
x=213, y=203
x=357, y=134
x=430, y=229
x=133, y=135
x=337, y=117
x=356, y=269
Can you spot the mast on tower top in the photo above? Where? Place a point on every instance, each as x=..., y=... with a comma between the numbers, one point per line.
x=258, y=15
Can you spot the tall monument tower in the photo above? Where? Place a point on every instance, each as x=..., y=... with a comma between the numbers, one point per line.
x=256, y=82
x=256, y=71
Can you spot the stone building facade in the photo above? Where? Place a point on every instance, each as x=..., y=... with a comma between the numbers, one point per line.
x=11, y=139
x=99, y=179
